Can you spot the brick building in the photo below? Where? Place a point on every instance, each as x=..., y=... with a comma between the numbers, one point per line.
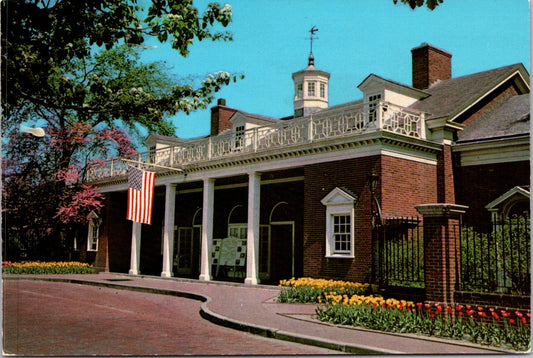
x=293, y=194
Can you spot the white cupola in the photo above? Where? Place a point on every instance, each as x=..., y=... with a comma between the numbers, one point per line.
x=310, y=88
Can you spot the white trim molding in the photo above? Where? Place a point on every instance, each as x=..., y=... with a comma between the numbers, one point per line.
x=339, y=203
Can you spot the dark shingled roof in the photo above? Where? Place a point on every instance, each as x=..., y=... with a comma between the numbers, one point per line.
x=511, y=118
x=449, y=97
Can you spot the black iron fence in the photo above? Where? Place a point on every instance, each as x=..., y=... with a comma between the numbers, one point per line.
x=498, y=261
x=401, y=253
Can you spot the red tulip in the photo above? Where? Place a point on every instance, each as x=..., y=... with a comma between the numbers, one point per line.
x=450, y=309
x=524, y=320
x=459, y=307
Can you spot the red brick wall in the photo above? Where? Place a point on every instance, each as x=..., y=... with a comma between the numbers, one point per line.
x=115, y=235
x=406, y=183
x=429, y=65
x=478, y=185
x=320, y=179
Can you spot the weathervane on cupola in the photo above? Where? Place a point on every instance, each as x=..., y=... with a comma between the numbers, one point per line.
x=310, y=85
x=313, y=30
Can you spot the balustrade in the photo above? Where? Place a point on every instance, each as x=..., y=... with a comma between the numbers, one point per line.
x=333, y=123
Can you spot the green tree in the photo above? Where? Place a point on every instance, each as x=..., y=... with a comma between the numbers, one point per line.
x=73, y=67
x=431, y=4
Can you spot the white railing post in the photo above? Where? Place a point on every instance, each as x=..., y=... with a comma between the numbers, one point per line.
x=112, y=168
x=422, y=127
x=171, y=154
x=209, y=147
x=310, y=128
x=379, y=114
x=256, y=138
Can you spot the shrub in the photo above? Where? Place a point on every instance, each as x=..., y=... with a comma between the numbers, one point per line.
x=38, y=267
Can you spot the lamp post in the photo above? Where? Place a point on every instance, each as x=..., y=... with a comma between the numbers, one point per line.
x=375, y=209
x=373, y=180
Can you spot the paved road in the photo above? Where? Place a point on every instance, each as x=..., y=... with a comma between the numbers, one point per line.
x=52, y=318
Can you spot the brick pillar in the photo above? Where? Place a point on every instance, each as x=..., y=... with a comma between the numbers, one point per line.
x=441, y=249
x=445, y=179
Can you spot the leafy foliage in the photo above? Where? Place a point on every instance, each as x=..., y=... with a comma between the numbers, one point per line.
x=431, y=4
x=476, y=325
x=73, y=67
x=500, y=260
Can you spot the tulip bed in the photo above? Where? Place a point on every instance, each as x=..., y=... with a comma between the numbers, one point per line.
x=476, y=324
x=38, y=267
x=310, y=290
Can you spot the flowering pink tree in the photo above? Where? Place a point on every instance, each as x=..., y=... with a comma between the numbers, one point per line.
x=45, y=203
x=90, y=101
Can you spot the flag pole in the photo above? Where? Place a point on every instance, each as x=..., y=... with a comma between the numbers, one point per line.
x=153, y=165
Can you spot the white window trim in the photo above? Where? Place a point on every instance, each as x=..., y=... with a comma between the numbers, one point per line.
x=94, y=221
x=339, y=202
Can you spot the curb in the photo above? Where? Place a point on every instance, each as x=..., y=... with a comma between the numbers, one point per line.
x=220, y=320
x=263, y=331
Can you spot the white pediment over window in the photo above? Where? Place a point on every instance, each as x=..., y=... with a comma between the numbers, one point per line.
x=339, y=196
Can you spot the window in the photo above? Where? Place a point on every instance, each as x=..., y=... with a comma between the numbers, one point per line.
x=323, y=90
x=311, y=89
x=372, y=105
x=93, y=232
x=299, y=90
x=339, y=223
x=239, y=137
x=341, y=233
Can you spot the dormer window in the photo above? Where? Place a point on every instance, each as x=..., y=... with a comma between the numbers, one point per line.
x=373, y=102
x=239, y=136
x=311, y=89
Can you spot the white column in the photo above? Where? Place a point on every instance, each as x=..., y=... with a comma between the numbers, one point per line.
x=252, y=241
x=207, y=229
x=135, y=248
x=168, y=234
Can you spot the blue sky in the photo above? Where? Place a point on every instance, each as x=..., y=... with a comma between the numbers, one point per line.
x=355, y=38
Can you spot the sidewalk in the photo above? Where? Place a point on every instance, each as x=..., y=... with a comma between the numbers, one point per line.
x=254, y=309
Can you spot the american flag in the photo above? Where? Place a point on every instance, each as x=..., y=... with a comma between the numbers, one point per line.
x=140, y=195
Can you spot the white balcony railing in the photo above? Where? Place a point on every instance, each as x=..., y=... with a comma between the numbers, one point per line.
x=334, y=123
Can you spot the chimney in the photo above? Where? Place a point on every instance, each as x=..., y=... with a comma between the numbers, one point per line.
x=220, y=116
x=430, y=64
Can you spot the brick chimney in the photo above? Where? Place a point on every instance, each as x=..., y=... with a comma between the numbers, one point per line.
x=220, y=115
x=430, y=64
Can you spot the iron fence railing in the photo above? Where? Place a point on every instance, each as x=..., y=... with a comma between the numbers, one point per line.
x=498, y=261
x=401, y=248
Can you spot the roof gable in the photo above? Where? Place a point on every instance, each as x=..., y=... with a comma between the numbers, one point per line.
x=373, y=81
x=510, y=118
x=339, y=196
x=452, y=97
x=513, y=194
x=252, y=118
